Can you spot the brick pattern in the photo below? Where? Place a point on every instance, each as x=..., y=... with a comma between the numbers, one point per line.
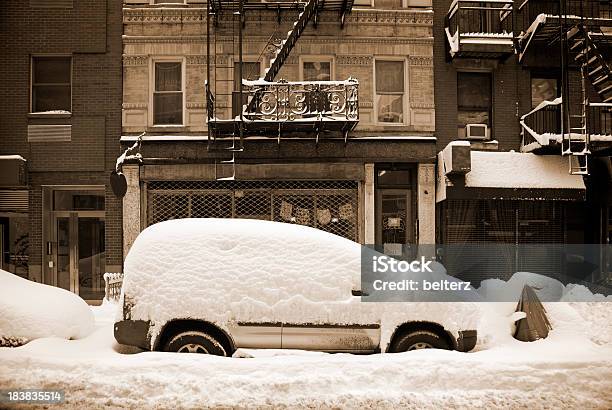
x=90, y=31
x=511, y=86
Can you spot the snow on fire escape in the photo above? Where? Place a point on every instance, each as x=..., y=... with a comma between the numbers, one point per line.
x=576, y=126
x=239, y=104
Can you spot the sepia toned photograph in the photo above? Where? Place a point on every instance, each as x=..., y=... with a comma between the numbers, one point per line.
x=323, y=204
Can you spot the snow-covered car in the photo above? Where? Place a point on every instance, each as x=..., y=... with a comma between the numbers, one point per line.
x=215, y=285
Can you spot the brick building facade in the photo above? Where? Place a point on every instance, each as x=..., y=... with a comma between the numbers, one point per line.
x=60, y=122
x=504, y=91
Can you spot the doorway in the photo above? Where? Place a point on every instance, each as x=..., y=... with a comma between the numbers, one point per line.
x=394, y=208
x=394, y=219
x=75, y=241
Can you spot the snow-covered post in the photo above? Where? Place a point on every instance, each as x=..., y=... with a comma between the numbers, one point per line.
x=368, y=205
x=426, y=206
x=131, y=207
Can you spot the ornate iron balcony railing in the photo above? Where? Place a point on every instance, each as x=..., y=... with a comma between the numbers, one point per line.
x=283, y=101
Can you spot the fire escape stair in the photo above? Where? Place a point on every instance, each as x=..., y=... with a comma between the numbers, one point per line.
x=590, y=57
x=292, y=37
x=595, y=70
x=286, y=45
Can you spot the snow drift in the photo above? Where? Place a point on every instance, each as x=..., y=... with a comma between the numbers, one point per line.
x=30, y=310
x=229, y=270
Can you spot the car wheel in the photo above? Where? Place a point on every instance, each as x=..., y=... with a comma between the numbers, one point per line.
x=420, y=339
x=195, y=342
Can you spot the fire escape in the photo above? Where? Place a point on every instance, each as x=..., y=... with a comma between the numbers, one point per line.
x=241, y=103
x=572, y=123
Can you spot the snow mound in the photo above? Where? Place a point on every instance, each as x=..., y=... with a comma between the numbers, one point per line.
x=580, y=293
x=547, y=289
x=227, y=271
x=30, y=310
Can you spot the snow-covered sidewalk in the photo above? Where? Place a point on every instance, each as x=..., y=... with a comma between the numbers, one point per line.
x=566, y=370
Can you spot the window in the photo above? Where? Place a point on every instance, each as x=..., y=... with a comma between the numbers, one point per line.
x=317, y=70
x=390, y=91
x=168, y=93
x=474, y=102
x=543, y=89
x=51, y=84
x=251, y=70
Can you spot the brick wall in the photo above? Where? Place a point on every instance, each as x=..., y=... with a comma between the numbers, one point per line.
x=511, y=85
x=91, y=33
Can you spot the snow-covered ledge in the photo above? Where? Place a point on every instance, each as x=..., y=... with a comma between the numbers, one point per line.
x=131, y=207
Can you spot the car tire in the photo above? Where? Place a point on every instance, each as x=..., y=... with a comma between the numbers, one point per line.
x=195, y=342
x=420, y=339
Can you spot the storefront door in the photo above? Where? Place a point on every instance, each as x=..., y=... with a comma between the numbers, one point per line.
x=394, y=219
x=80, y=254
x=75, y=240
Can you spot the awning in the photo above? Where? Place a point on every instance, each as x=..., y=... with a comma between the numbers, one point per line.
x=510, y=175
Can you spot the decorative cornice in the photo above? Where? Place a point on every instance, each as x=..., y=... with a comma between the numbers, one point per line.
x=422, y=106
x=135, y=60
x=303, y=40
x=366, y=104
x=198, y=15
x=134, y=106
x=195, y=60
x=354, y=59
x=420, y=60
x=164, y=15
x=391, y=17
x=165, y=39
x=196, y=105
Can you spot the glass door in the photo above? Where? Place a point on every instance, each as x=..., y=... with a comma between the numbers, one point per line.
x=80, y=254
x=394, y=220
x=90, y=257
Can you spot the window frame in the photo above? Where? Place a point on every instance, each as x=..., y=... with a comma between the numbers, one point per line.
x=167, y=3
x=35, y=56
x=151, y=110
x=370, y=3
x=248, y=59
x=490, y=126
x=542, y=75
x=405, y=105
x=318, y=58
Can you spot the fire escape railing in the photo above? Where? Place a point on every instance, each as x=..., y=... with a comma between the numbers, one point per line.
x=294, y=101
x=543, y=123
x=475, y=18
x=529, y=10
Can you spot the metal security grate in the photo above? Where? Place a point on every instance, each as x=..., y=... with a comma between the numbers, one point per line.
x=331, y=206
x=490, y=238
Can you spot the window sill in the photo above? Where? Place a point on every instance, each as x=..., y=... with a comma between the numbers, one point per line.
x=49, y=115
x=167, y=128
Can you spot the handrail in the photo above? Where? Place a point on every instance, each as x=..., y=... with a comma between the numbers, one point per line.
x=302, y=100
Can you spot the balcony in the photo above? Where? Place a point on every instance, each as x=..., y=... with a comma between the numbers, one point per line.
x=539, y=20
x=272, y=108
x=541, y=128
x=480, y=29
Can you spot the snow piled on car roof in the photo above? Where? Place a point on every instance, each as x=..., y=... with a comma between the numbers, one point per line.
x=231, y=270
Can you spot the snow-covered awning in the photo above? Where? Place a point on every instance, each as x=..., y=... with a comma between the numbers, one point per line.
x=512, y=175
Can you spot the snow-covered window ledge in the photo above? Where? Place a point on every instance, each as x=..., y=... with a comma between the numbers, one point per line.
x=167, y=128
x=57, y=114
